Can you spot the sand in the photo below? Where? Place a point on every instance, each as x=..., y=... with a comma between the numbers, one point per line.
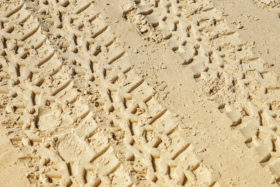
x=139, y=93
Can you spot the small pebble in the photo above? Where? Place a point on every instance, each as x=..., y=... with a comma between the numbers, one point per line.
x=143, y=30
x=240, y=26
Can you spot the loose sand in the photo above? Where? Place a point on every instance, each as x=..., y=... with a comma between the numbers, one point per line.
x=139, y=93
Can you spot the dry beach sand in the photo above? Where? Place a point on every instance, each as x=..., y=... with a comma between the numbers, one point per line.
x=139, y=93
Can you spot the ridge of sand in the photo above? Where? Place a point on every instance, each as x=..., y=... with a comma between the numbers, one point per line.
x=267, y=3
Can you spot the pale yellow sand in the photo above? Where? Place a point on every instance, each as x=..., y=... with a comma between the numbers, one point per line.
x=135, y=93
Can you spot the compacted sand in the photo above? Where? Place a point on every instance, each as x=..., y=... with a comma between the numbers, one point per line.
x=139, y=93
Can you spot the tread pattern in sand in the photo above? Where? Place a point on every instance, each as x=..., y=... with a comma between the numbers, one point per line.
x=268, y=3
x=232, y=75
x=75, y=108
x=41, y=110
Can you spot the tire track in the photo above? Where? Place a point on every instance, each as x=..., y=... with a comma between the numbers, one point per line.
x=87, y=44
x=41, y=108
x=231, y=74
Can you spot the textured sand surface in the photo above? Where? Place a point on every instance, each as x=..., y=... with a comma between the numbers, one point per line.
x=139, y=93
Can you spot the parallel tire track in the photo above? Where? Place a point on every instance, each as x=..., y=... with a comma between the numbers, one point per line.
x=45, y=115
x=75, y=108
x=232, y=75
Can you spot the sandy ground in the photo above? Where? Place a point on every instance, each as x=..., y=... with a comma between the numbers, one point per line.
x=139, y=93
x=254, y=24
